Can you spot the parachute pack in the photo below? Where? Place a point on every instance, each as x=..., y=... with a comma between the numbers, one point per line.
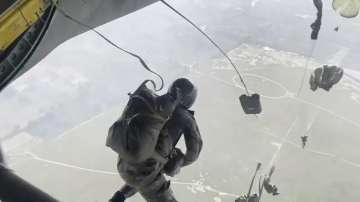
x=136, y=132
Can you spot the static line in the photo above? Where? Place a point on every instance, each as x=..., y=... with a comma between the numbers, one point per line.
x=283, y=140
x=306, y=68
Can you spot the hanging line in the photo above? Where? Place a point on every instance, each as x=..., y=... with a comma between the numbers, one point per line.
x=258, y=167
x=141, y=60
x=262, y=181
x=212, y=41
x=310, y=125
x=313, y=46
x=261, y=187
x=316, y=27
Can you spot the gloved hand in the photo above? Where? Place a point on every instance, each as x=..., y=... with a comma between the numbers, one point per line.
x=175, y=163
x=118, y=197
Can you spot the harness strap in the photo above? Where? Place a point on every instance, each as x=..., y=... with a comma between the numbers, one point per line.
x=142, y=99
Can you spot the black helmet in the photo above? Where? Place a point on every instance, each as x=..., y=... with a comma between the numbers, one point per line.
x=187, y=91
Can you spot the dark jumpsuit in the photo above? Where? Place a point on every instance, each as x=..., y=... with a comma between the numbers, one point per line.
x=1, y=156
x=146, y=177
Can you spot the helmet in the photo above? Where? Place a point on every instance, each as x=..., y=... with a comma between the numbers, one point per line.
x=187, y=91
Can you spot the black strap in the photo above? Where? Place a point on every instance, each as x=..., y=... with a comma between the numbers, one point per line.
x=142, y=99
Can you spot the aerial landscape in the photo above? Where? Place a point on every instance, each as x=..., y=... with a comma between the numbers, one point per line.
x=56, y=117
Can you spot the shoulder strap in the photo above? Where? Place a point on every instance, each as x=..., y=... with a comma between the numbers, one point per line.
x=142, y=99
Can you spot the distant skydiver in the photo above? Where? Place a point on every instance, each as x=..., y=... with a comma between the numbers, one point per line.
x=270, y=189
x=263, y=184
x=304, y=140
x=325, y=77
x=145, y=138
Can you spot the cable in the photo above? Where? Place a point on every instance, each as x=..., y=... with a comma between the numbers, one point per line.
x=142, y=62
x=306, y=68
x=253, y=180
x=212, y=41
x=315, y=26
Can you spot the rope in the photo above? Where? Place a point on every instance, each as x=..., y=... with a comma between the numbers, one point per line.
x=252, y=180
x=141, y=60
x=306, y=68
x=212, y=41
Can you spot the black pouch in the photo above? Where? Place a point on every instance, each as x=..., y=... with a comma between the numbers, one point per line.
x=251, y=104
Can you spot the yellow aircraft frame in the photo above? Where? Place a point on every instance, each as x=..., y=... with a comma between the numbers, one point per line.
x=17, y=19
